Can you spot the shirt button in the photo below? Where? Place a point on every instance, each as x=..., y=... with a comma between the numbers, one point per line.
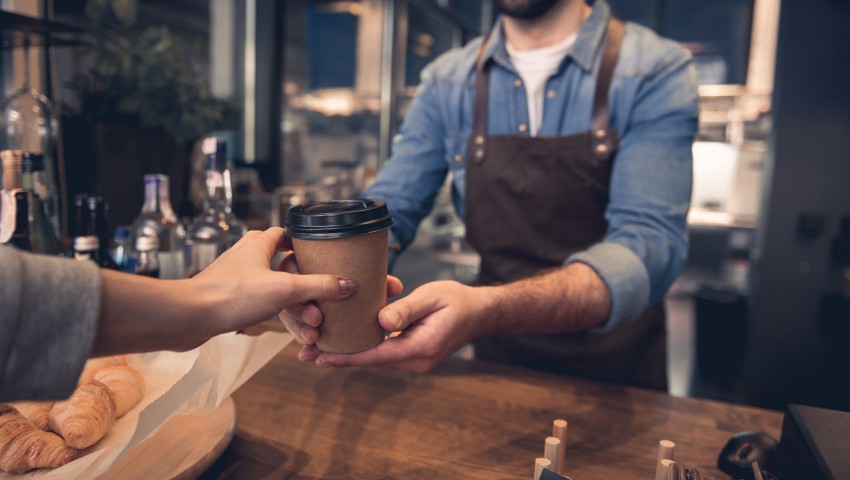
x=522, y=127
x=458, y=158
x=550, y=94
x=517, y=83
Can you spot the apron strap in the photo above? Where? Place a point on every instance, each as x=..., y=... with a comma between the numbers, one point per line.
x=482, y=96
x=604, y=139
x=600, y=123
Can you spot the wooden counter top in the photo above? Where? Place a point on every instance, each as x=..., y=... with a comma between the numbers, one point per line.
x=466, y=420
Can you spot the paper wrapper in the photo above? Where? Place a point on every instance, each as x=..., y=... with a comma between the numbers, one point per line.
x=193, y=383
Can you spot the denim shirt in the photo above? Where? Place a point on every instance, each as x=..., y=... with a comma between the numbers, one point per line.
x=653, y=105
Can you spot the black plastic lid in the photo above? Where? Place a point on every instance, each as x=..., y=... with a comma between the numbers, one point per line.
x=337, y=219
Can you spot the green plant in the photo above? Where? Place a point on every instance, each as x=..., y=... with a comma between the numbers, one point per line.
x=145, y=77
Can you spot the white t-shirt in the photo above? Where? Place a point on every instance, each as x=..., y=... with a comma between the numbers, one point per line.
x=535, y=67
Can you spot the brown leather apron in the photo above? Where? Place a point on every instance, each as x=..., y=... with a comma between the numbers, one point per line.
x=531, y=202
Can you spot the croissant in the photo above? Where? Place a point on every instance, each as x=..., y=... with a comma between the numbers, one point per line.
x=86, y=417
x=95, y=364
x=24, y=447
x=35, y=412
x=126, y=384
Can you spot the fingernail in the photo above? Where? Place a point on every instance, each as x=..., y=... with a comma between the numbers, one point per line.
x=346, y=286
x=394, y=317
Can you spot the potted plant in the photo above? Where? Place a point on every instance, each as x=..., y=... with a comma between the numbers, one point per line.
x=146, y=102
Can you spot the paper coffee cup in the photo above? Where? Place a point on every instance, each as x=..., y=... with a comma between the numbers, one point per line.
x=347, y=238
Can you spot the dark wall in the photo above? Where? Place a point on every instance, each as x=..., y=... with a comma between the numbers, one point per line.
x=714, y=31
x=796, y=352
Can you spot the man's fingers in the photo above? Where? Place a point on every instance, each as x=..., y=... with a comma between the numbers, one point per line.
x=390, y=351
x=399, y=315
x=394, y=286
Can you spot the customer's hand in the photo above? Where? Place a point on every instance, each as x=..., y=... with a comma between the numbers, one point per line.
x=253, y=291
x=434, y=321
x=239, y=289
x=303, y=319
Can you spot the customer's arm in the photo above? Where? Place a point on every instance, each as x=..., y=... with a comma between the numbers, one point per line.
x=56, y=312
x=48, y=318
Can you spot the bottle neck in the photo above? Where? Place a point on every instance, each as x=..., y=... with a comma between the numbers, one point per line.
x=34, y=182
x=218, y=191
x=22, y=217
x=157, y=198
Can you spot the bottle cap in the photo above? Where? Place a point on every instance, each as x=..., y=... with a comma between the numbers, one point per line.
x=147, y=243
x=337, y=219
x=86, y=243
x=156, y=178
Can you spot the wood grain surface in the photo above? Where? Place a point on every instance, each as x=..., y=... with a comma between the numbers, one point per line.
x=465, y=420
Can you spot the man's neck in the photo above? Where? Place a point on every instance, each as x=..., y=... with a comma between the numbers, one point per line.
x=563, y=20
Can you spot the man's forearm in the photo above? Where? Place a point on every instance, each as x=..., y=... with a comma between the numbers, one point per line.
x=570, y=299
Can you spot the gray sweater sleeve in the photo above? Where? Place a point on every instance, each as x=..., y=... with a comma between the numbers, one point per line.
x=48, y=319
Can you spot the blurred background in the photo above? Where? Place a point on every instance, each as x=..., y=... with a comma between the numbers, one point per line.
x=308, y=95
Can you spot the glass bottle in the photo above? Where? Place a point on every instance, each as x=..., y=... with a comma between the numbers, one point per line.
x=146, y=257
x=41, y=185
x=87, y=247
x=99, y=227
x=27, y=123
x=216, y=229
x=42, y=236
x=79, y=223
x=78, y=219
x=121, y=247
x=157, y=219
x=21, y=234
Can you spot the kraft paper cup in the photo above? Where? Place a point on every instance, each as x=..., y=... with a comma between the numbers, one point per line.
x=347, y=238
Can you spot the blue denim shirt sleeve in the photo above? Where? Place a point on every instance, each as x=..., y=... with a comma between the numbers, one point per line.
x=645, y=246
x=412, y=177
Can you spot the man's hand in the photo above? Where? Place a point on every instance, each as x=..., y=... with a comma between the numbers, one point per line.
x=438, y=318
x=432, y=323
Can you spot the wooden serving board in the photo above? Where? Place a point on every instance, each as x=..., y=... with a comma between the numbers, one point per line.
x=182, y=449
